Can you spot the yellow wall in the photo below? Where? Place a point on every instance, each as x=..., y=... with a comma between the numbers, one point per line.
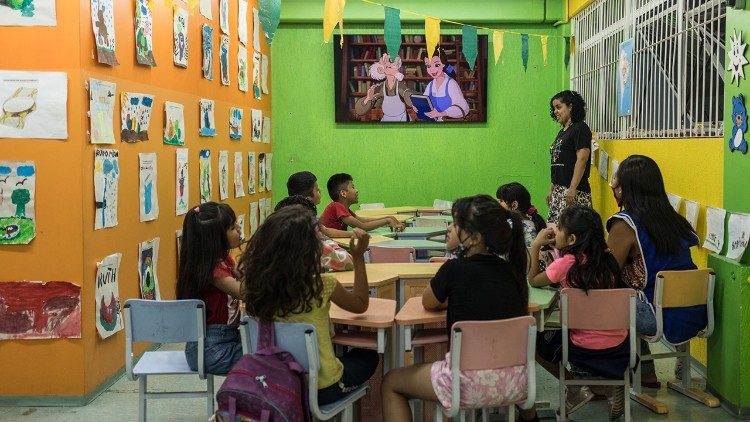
x=574, y=7
x=692, y=169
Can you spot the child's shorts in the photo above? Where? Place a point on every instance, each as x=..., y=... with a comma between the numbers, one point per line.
x=607, y=363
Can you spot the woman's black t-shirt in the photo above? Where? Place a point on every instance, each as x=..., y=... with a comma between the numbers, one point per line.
x=478, y=288
x=563, y=155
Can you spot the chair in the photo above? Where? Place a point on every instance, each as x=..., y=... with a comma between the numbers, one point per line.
x=165, y=321
x=497, y=344
x=439, y=259
x=442, y=204
x=428, y=222
x=380, y=254
x=301, y=341
x=372, y=206
x=605, y=309
x=677, y=289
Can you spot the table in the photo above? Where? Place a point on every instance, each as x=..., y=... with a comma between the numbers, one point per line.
x=422, y=233
x=380, y=315
x=344, y=241
x=447, y=218
x=430, y=211
x=418, y=244
x=544, y=298
x=383, y=212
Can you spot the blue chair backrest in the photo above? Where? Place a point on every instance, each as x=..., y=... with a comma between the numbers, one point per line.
x=289, y=336
x=166, y=321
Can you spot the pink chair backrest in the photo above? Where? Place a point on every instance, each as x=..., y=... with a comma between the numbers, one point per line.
x=494, y=344
x=439, y=259
x=601, y=309
x=380, y=254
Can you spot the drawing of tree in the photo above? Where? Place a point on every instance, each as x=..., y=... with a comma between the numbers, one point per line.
x=20, y=197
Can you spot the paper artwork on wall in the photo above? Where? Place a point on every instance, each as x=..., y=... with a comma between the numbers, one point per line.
x=223, y=175
x=737, y=60
x=594, y=148
x=106, y=186
x=739, y=231
x=239, y=182
x=108, y=309
x=256, y=30
x=265, y=208
x=257, y=122
x=691, y=213
x=206, y=184
x=266, y=130
x=256, y=75
x=180, y=37
x=603, y=163
x=39, y=310
x=178, y=237
x=206, y=117
x=182, y=182
x=625, y=78
x=615, y=167
x=147, y=195
x=714, y=229
x=224, y=59
x=144, y=46
x=242, y=21
x=28, y=13
x=737, y=140
x=135, y=116
x=253, y=217
x=235, y=123
x=224, y=16
x=264, y=73
x=251, y=172
x=241, y=224
x=17, y=197
x=33, y=105
x=101, y=111
x=148, y=257
x=674, y=201
x=208, y=52
x=206, y=9
x=103, y=23
x=174, y=127
x=269, y=172
x=262, y=172
x=242, y=69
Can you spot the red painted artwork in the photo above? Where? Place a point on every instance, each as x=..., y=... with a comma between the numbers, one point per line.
x=38, y=310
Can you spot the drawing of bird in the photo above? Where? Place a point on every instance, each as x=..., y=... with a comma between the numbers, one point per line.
x=21, y=182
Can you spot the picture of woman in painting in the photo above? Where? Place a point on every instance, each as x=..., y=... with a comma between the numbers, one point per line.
x=444, y=92
x=391, y=95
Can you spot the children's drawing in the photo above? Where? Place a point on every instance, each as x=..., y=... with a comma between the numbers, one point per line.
x=739, y=232
x=264, y=73
x=235, y=123
x=182, y=185
x=174, y=128
x=148, y=256
x=33, y=105
x=106, y=186
x=241, y=224
x=17, y=216
x=239, y=182
x=251, y=172
x=101, y=111
x=27, y=13
x=265, y=208
x=257, y=121
x=739, y=125
x=206, y=117
x=737, y=60
x=103, y=22
x=674, y=200
x=714, y=241
x=38, y=310
x=223, y=175
x=625, y=79
x=262, y=172
x=144, y=46
x=253, y=217
x=256, y=75
x=242, y=69
x=256, y=30
x=149, y=200
x=691, y=213
x=205, y=9
x=224, y=59
x=108, y=307
x=224, y=16
x=269, y=172
x=266, y=130
x=178, y=236
x=242, y=22
x=206, y=184
x=135, y=116
x=208, y=52
x=180, y=37
x=603, y=163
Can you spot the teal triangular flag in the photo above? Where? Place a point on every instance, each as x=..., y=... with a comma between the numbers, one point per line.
x=392, y=31
x=525, y=50
x=469, y=44
x=567, y=51
x=269, y=15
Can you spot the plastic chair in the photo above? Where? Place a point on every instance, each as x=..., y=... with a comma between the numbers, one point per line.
x=677, y=289
x=165, y=321
x=428, y=222
x=442, y=204
x=477, y=345
x=373, y=206
x=301, y=341
x=380, y=254
x=439, y=259
x=601, y=309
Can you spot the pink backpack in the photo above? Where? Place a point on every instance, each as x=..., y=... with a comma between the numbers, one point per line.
x=268, y=386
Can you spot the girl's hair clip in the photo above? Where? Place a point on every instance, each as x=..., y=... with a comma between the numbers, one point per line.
x=532, y=210
x=510, y=223
x=197, y=209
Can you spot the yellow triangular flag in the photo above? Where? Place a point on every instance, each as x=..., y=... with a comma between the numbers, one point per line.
x=431, y=34
x=333, y=14
x=498, y=43
x=544, y=39
x=572, y=45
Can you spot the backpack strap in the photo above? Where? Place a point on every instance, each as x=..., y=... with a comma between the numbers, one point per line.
x=265, y=335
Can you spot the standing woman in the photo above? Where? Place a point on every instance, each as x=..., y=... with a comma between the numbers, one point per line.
x=570, y=155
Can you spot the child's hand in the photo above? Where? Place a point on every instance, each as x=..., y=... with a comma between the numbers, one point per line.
x=358, y=244
x=544, y=238
x=396, y=225
x=356, y=231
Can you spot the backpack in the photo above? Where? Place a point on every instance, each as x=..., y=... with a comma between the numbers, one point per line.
x=268, y=386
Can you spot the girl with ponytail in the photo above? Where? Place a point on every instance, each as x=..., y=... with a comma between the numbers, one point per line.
x=514, y=196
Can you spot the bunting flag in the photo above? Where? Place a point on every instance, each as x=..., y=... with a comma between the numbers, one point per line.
x=498, y=43
x=567, y=51
x=432, y=34
x=525, y=51
x=333, y=14
x=269, y=15
x=392, y=31
x=544, y=40
x=469, y=44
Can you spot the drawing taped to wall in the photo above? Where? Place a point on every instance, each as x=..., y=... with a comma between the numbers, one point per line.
x=239, y=182
x=144, y=24
x=17, y=197
x=251, y=172
x=224, y=16
x=182, y=182
x=253, y=217
x=148, y=257
x=103, y=23
x=224, y=59
x=39, y=310
x=27, y=13
x=135, y=116
x=206, y=118
x=262, y=172
x=108, y=306
x=206, y=184
x=266, y=129
x=223, y=175
x=101, y=111
x=147, y=194
x=257, y=123
x=206, y=9
x=106, y=187
x=256, y=75
x=241, y=225
x=180, y=36
x=208, y=52
x=174, y=127
x=242, y=69
x=242, y=21
x=33, y=105
x=235, y=123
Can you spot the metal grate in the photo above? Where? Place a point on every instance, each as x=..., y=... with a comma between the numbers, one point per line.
x=677, y=66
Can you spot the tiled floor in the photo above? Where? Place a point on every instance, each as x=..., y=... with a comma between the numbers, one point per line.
x=120, y=403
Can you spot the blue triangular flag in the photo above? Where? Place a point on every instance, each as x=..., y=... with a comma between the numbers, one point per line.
x=525, y=50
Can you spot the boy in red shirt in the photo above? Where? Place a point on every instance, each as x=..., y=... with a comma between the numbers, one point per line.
x=337, y=214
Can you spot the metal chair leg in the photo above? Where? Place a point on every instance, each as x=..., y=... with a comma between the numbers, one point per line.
x=142, y=389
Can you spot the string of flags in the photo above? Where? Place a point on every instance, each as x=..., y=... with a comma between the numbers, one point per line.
x=333, y=16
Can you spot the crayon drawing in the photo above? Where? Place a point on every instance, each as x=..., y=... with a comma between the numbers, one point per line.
x=17, y=216
x=208, y=52
x=182, y=183
x=266, y=130
x=256, y=30
x=269, y=172
x=147, y=195
x=224, y=16
x=239, y=182
x=223, y=175
x=224, y=59
x=180, y=37
x=264, y=73
x=103, y=23
x=206, y=9
x=33, y=105
x=101, y=111
x=235, y=123
x=144, y=46
x=242, y=69
x=256, y=75
x=241, y=224
x=148, y=257
x=39, y=310
x=251, y=172
x=206, y=118
x=262, y=172
x=174, y=128
x=206, y=184
x=28, y=13
x=242, y=21
x=106, y=186
x=253, y=217
x=108, y=307
x=257, y=121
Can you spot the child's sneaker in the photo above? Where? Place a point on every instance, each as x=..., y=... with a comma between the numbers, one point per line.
x=617, y=408
x=575, y=398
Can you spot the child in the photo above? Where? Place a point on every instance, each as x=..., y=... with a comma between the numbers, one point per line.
x=281, y=274
x=333, y=256
x=206, y=271
x=514, y=196
x=487, y=281
x=337, y=214
x=586, y=263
